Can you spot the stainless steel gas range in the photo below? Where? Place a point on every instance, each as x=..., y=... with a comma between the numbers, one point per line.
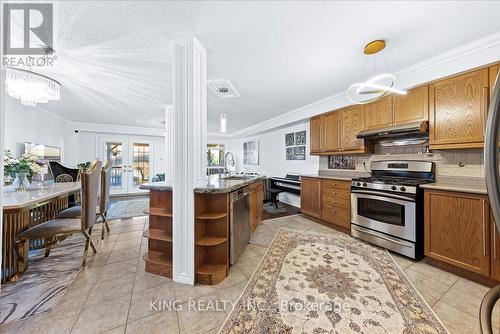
x=387, y=208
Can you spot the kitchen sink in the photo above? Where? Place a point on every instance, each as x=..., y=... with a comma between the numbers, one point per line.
x=237, y=177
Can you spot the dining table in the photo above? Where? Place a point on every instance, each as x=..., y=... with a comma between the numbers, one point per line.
x=25, y=209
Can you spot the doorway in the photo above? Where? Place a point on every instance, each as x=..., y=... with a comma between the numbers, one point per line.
x=132, y=162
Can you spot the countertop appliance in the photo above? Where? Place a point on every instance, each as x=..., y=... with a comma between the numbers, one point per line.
x=239, y=225
x=387, y=208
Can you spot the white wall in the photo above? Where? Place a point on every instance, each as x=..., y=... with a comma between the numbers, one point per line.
x=32, y=124
x=272, y=157
x=86, y=143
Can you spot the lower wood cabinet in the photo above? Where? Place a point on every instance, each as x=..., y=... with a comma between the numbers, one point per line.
x=457, y=230
x=328, y=200
x=310, y=196
x=256, y=204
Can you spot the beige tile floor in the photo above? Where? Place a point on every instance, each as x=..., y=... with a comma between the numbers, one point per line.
x=114, y=293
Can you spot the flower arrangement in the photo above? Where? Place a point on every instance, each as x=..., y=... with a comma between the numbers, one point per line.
x=28, y=164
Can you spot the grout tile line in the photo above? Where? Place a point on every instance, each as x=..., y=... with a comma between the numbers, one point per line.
x=451, y=286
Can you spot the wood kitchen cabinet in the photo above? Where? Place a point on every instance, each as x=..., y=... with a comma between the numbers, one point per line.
x=378, y=114
x=456, y=229
x=458, y=110
x=495, y=250
x=316, y=134
x=256, y=204
x=336, y=203
x=412, y=107
x=332, y=131
x=352, y=123
x=310, y=196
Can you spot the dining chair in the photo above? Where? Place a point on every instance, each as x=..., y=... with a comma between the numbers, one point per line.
x=62, y=173
x=102, y=208
x=52, y=229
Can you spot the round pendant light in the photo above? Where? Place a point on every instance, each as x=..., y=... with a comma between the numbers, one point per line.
x=376, y=86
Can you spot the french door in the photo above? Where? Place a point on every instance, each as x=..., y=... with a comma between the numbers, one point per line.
x=132, y=162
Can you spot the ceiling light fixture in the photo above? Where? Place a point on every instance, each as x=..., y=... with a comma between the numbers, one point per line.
x=223, y=122
x=378, y=85
x=30, y=87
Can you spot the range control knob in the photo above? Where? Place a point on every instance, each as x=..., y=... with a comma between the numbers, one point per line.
x=393, y=188
x=402, y=189
x=358, y=184
x=364, y=184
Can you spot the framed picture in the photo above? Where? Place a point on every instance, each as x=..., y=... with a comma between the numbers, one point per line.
x=300, y=138
x=290, y=153
x=251, y=153
x=289, y=139
x=299, y=153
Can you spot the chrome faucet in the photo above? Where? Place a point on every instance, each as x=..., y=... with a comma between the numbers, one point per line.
x=229, y=163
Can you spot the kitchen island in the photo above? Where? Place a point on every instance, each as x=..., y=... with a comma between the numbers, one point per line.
x=216, y=217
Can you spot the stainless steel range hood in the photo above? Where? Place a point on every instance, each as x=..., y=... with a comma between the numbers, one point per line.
x=411, y=130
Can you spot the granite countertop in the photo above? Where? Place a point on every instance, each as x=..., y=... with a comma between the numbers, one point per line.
x=18, y=199
x=475, y=185
x=162, y=186
x=217, y=184
x=338, y=175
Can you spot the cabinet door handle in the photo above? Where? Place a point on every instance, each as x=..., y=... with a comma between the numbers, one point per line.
x=484, y=231
x=485, y=96
x=494, y=242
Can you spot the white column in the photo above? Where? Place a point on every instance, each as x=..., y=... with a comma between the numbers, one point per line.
x=189, y=133
x=169, y=139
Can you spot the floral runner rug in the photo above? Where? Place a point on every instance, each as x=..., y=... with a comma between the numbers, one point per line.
x=39, y=289
x=321, y=283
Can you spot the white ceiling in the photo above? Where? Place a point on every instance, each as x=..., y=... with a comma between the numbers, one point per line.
x=114, y=58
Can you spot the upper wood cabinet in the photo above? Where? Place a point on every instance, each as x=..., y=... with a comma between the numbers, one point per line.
x=412, y=107
x=332, y=131
x=316, y=134
x=310, y=196
x=493, y=76
x=352, y=123
x=458, y=110
x=378, y=114
x=456, y=229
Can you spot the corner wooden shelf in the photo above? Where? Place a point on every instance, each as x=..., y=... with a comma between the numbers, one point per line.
x=158, y=259
x=211, y=215
x=211, y=273
x=212, y=236
x=155, y=234
x=210, y=241
x=159, y=263
x=158, y=212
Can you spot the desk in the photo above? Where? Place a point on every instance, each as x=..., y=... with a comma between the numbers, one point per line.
x=23, y=209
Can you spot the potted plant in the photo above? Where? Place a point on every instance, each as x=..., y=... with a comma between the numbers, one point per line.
x=22, y=169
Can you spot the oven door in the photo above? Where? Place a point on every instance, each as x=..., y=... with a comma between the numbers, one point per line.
x=387, y=213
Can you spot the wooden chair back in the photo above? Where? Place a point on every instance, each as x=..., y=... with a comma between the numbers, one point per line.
x=105, y=187
x=62, y=173
x=90, y=188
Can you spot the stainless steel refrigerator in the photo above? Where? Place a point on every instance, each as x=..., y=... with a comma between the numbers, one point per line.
x=493, y=186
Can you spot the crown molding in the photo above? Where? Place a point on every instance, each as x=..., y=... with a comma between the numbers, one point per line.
x=115, y=129
x=477, y=53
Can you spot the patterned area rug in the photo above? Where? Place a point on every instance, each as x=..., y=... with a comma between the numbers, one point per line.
x=319, y=283
x=128, y=208
x=39, y=289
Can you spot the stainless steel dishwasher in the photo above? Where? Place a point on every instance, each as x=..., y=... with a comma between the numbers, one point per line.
x=239, y=226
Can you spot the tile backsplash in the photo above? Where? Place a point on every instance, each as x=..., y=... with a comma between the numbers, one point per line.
x=448, y=162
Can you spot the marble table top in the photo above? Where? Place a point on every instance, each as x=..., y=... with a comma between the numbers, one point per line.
x=18, y=199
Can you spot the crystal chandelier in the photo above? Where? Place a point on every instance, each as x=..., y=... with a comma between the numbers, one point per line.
x=377, y=86
x=30, y=87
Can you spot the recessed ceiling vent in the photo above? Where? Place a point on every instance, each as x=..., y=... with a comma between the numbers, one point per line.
x=222, y=88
